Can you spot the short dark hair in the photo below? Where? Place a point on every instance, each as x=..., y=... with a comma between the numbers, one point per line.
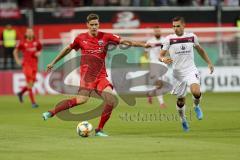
x=178, y=18
x=92, y=16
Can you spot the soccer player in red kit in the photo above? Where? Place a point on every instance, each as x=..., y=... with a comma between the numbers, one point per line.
x=93, y=46
x=31, y=49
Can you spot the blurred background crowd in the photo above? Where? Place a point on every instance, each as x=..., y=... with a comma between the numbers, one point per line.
x=80, y=3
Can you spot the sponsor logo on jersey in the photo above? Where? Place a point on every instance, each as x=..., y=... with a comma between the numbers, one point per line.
x=181, y=40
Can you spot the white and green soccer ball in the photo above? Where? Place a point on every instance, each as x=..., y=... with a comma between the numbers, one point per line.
x=84, y=129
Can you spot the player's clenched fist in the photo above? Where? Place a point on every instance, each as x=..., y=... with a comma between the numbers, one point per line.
x=211, y=68
x=166, y=60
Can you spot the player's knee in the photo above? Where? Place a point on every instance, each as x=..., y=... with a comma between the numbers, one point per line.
x=180, y=102
x=196, y=92
x=197, y=95
x=82, y=100
x=110, y=100
x=30, y=85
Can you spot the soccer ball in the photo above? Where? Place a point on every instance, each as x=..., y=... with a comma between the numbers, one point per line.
x=84, y=129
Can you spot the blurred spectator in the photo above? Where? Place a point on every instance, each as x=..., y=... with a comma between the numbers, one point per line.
x=77, y=3
x=125, y=2
x=9, y=37
x=238, y=35
x=39, y=3
x=136, y=2
x=51, y=4
x=231, y=2
x=147, y=3
x=184, y=2
x=206, y=2
x=66, y=3
x=88, y=2
x=238, y=22
x=25, y=3
x=160, y=2
x=213, y=2
x=113, y=2
x=99, y=2
x=172, y=2
x=8, y=1
x=199, y=3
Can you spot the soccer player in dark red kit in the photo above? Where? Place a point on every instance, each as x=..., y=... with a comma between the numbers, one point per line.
x=93, y=44
x=31, y=49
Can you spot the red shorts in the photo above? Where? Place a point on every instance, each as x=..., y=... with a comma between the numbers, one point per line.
x=30, y=73
x=98, y=85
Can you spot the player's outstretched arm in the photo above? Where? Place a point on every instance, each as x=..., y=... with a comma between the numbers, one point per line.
x=134, y=43
x=163, y=57
x=62, y=54
x=15, y=54
x=205, y=57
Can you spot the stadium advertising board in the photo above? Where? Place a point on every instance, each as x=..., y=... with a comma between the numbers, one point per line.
x=224, y=79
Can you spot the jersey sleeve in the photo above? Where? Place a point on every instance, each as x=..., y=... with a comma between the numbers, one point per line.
x=114, y=38
x=196, y=42
x=39, y=46
x=166, y=43
x=75, y=44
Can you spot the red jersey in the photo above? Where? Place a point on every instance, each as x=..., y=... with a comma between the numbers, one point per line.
x=29, y=50
x=93, y=51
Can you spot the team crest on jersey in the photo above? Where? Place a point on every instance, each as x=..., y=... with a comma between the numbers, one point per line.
x=100, y=42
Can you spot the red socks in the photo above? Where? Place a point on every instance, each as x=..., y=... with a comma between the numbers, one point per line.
x=105, y=116
x=69, y=103
x=24, y=89
x=63, y=105
x=31, y=96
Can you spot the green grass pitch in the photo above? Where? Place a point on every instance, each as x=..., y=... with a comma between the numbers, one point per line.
x=136, y=133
